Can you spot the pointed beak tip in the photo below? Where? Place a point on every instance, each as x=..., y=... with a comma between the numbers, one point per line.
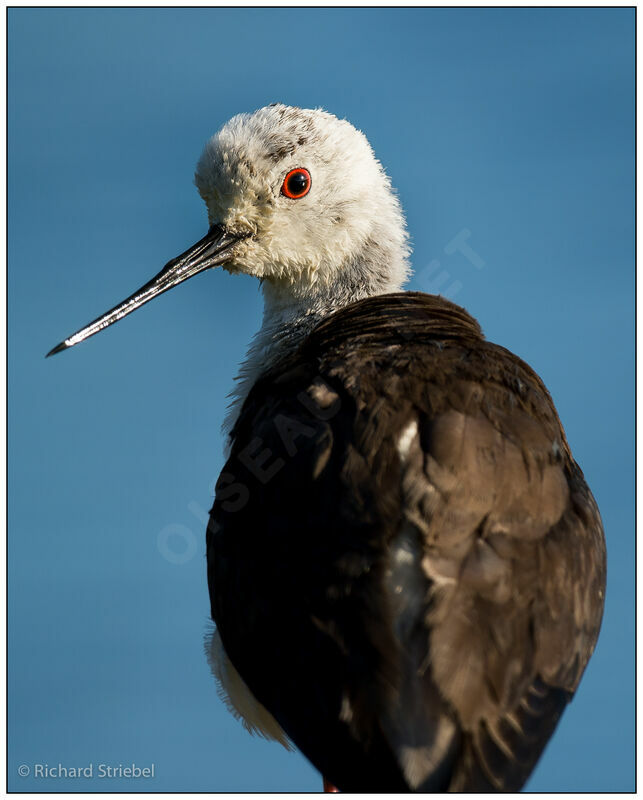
x=57, y=349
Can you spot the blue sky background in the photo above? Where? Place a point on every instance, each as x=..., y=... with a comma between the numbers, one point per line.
x=513, y=125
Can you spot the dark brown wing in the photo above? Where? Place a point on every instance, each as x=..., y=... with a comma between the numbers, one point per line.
x=405, y=563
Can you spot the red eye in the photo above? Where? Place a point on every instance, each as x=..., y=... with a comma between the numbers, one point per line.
x=296, y=183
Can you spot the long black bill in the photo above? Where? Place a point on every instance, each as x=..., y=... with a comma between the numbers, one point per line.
x=211, y=251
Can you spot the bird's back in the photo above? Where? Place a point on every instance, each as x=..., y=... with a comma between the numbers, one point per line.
x=405, y=563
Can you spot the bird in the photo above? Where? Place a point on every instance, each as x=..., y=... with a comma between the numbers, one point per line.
x=405, y=564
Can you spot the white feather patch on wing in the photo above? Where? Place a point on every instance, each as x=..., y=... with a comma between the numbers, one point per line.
x=239, y=700
x=406, y=439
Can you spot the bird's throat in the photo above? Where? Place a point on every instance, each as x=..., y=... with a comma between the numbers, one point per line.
x=292, y=310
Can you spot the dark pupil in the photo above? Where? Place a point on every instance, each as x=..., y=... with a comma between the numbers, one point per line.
x=297, y=183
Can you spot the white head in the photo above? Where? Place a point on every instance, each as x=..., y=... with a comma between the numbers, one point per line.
x=296, y=198
x=345, y=233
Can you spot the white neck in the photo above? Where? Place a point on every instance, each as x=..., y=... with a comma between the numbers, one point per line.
x=292, y=310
